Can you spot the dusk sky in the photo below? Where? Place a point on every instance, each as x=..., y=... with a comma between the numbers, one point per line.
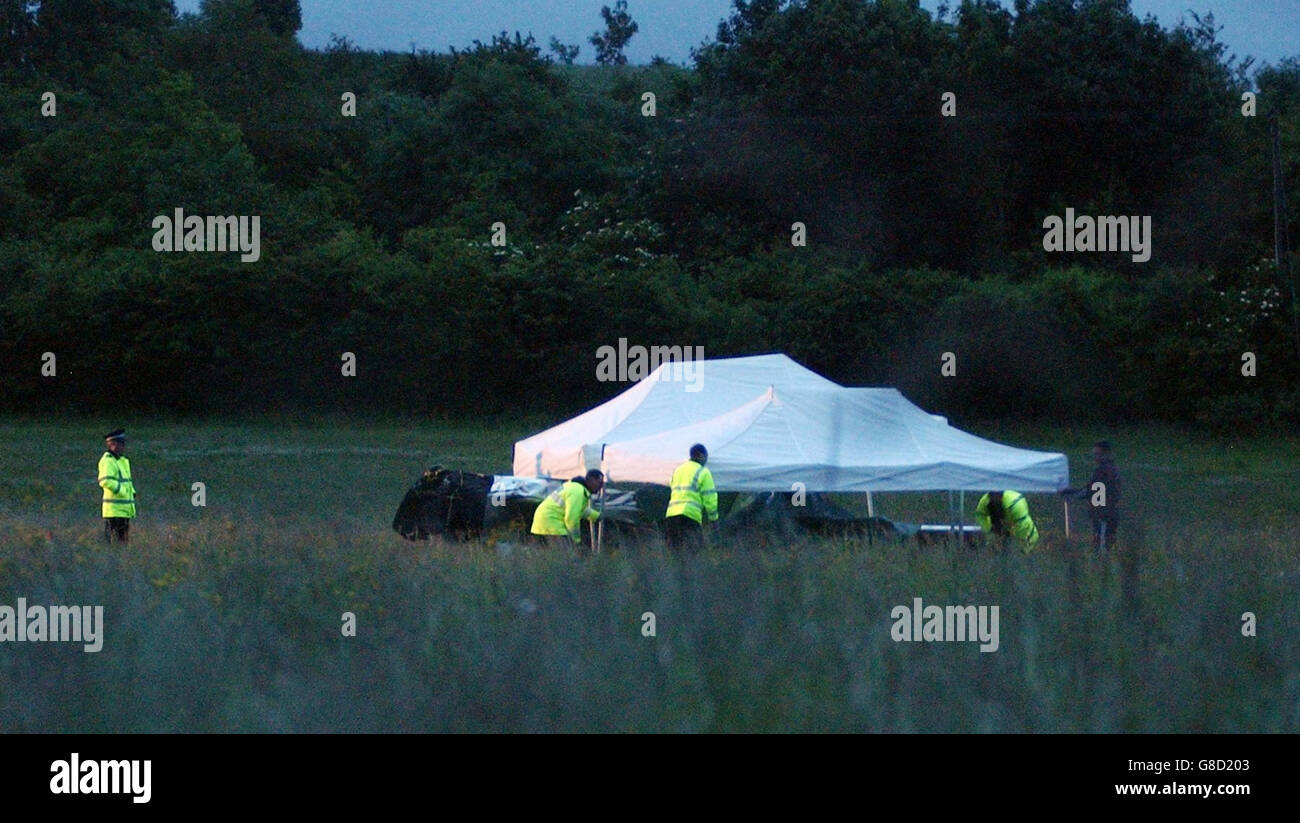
x=1267, y=29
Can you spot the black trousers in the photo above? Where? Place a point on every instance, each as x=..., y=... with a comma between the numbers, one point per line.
x=117, y=529
x=1107, y=525
x=682, y=532
x=554, y=541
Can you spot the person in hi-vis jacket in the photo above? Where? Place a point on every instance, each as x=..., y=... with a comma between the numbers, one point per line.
x=118, y=504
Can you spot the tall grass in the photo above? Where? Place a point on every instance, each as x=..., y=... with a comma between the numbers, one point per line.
x=229, y=617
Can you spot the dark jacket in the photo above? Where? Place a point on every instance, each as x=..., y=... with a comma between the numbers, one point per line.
x=1108, y=475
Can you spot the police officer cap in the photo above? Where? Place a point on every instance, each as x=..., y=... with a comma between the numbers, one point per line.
x=116, y=434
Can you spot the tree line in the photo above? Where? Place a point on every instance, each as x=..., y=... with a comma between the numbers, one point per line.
x=920, y=153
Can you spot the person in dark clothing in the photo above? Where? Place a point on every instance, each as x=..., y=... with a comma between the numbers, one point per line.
x=1103, y=496
x=681, y=532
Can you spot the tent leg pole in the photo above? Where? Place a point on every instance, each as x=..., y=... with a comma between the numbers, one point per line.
x=1067, y=518
x=961, y=511
x=951, y=520
x=871, y=527
x=598, y=528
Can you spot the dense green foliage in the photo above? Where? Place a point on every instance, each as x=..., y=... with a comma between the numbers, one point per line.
x=924, y=232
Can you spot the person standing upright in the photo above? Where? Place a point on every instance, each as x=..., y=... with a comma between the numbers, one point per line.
x=118, y=505
x=694, y=497
x=1102, y=494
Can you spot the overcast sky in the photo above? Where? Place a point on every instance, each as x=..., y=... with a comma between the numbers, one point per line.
x=1267, y=29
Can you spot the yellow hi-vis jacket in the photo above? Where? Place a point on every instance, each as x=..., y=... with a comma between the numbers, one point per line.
x=563, y=511
x=119, y=491
x=694, y=494
x=1015, y=516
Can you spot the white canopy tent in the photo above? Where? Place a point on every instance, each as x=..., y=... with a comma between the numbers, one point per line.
x=769, y=423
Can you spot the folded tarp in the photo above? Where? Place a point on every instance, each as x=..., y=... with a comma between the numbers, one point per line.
x=787, y=516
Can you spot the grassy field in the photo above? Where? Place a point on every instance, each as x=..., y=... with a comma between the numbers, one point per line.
x=228, y=617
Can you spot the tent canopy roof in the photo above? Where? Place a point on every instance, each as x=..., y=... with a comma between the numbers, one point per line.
x=770, y=423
